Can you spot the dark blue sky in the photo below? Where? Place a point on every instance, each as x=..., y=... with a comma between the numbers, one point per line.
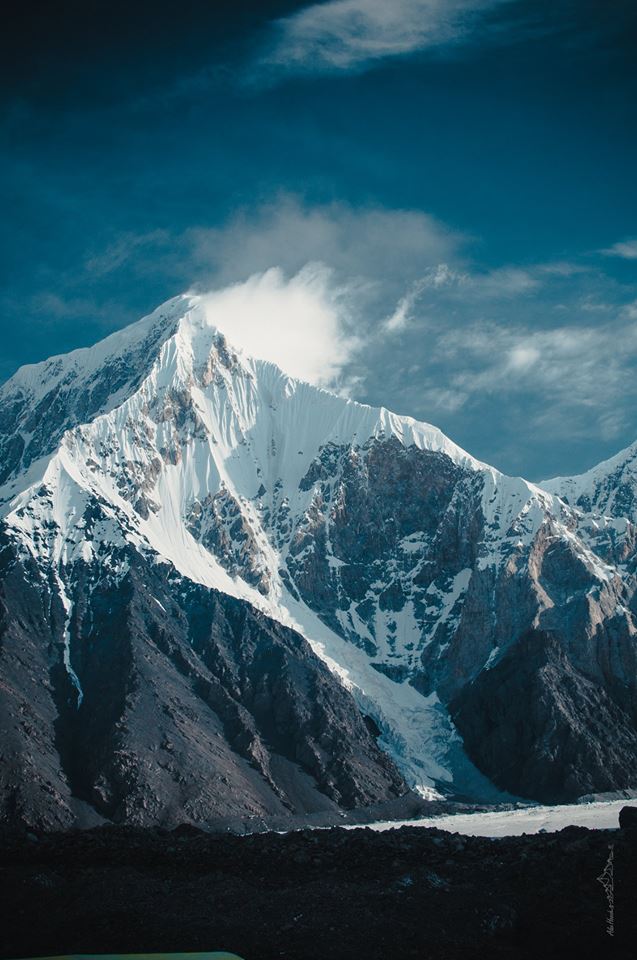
x=464, y=168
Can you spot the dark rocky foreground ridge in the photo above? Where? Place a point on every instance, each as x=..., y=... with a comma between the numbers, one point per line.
x=569, y=732
x=194, y=706
x=338, y=894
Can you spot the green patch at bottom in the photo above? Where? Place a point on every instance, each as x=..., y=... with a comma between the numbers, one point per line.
x=218, y=955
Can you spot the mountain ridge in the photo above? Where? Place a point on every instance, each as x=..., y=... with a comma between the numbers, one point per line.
x=408, y=566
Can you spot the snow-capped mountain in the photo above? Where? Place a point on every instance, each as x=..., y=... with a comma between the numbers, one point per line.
x=610, y=488
x=221, y=572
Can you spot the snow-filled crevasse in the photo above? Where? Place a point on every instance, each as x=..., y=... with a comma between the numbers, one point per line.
x=66, y=652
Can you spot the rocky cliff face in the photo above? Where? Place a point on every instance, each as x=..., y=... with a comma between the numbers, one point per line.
x=544, y=728
x=413, y=571
x=157, y=700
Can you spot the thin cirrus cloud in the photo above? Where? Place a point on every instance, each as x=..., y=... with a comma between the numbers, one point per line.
x=626, y=249
x=351, y=34
x=461, y=286
x=571, y=375
x=123, y=249
x=404, y=313
x=368, y=242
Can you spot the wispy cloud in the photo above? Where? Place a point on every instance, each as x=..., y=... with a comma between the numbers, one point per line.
x=368, y=243
x=401, y=316
x=365, y=242
x=122, y=249
x=572, y=377
x=629, y=311
x=350, y=34
x=440, y=276
x=626, y=249
x=461, y=286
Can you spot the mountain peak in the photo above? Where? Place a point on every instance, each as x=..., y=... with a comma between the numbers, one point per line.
x=42, y=400
x=609, y=488
x=409, y=567
x=179, y=347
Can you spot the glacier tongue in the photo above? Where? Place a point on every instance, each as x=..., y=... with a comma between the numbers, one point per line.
x=408, y=565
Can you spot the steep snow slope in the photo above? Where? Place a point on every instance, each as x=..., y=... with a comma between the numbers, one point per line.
x=410, y=567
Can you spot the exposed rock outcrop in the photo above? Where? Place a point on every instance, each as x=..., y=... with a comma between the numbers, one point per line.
x=541, y=728
x=162, y=701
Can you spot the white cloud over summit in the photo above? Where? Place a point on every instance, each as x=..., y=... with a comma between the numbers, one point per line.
x=387, y=306
x=320, y=278
x=297, y=323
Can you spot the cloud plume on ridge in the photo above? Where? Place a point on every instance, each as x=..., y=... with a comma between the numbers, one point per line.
x=299, y=323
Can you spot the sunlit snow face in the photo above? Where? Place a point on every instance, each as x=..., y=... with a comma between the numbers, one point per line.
x=298, y=323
